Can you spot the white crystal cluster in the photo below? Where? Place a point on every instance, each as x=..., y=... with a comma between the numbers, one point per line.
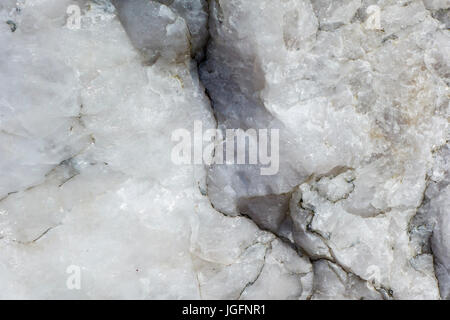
x=359, y=208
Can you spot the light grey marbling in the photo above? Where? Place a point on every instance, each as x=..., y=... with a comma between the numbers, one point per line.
x=358, y=210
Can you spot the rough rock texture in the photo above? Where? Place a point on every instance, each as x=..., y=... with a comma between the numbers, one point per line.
x=360, y=113
x=359, y=208
x=430, y=227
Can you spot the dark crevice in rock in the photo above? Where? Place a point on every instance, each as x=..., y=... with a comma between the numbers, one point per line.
x=268, y=212
x=423, y=225
x=246, y=205
x=443, y=16
x=249, y=284
x=7, y=195
x=244, y=106
x=277, y=236
x=386, y=293
x=38, y=237
x=350, y=282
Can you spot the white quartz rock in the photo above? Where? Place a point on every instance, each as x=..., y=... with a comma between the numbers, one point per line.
x=117, y=207
x=247, y=262
x=357, y=209
x=331, y=282
x=436, y=4
x=284, y=275
x=41, y=128
x=440, y=242
x=165, y=28
x=430, y=227
x=335, y=13
x=194, y=12
x=301, y=217
x=154, y=29
x=104, y=197
x=367, y=244
x=368, y=102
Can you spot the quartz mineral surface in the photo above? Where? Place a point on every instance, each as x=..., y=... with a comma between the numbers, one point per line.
x=92, y=205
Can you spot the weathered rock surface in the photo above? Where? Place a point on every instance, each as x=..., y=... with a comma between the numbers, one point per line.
x=358, y=207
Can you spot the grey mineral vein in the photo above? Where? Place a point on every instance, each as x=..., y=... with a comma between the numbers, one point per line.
x=360, y=205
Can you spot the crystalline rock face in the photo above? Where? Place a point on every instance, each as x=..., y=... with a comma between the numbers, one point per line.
x=92, y=205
